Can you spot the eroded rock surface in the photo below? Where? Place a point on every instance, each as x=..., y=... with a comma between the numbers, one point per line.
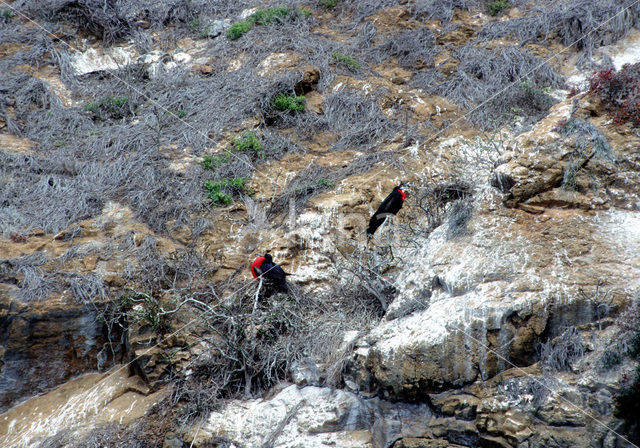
x=47, y=345
x=79, y=406
x=489, y=289
x=315, y=417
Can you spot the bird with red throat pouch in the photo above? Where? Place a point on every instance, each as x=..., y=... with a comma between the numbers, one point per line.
x=263, y=266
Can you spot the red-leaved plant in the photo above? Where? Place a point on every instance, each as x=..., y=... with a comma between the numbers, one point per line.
x=619, y=92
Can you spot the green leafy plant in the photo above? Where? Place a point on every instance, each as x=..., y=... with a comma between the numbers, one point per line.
x=109, y=106
x=92, y=106
x=529, y=88
x=248, y=141
x=141, y=308
x=195, y=24
x=219, y=198
x=6, y=14
x=239, y=29
x=270, y=15
x=289, y=102
x=532, y=96
x=347, y=60
x=220, y=191
x=329, y=4
x=236, y=183
x=497, y=6
x=315, y=185
x=324, y=182
x=178, y=113
x=116, y=101
x=216, y=160
x=263, y=17
x=148, y=313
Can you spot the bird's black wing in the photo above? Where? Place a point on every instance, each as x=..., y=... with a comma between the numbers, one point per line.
x=266, y=269
x=375, y=222
x=386, y=204
x=274, y=272
x=276, y=275
x=391, y=205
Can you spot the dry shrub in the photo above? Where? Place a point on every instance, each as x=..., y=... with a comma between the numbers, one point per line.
x=558, y=353
x=433, y=206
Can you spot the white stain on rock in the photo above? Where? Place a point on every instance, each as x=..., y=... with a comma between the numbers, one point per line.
x=437, y=331
x=99, y=59
x=308, y=417
x=625, y=51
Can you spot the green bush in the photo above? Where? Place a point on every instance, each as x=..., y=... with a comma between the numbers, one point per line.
x=116, y=102
x=530, y=89
x=315, y=186
x=324, y=182
x=270, y=15
x=195, y=24
x=329, y=4
x=347, y=60
x=497, y=6
x=289, y=102
x=220, y=192
x=178, y=113
x=248, y=141
x=109, y=106
x=213, y=162
x=238, y=29
x=93, y=106
x=263, y=17
x=219, y=199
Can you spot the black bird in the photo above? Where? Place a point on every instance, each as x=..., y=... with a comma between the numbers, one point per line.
x=389, y=207
x=273, y=274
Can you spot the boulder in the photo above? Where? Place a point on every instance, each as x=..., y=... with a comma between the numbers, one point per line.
x=512, y=281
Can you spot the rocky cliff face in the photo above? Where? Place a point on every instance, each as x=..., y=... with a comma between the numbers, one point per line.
x=45, y=347
x=151, y=154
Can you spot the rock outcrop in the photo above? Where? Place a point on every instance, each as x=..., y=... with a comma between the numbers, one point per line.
x=46, y=345
x=315, y=417
x=87, y=402
x=475, y=305
x=497, y=297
